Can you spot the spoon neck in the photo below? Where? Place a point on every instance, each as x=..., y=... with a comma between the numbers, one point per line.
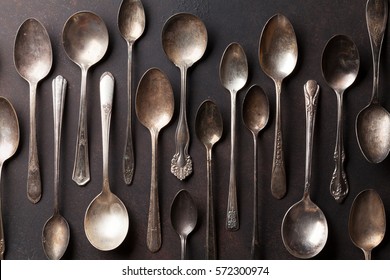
x=183, y=242
x=367, y=254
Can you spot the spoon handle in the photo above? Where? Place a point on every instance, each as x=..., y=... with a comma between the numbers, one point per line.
x=2, y=241
x=255, y=249
x=211, y=244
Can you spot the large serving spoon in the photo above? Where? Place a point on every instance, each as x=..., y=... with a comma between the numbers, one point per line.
x=373, y=122
x=278, y=54
x=255, y=112
x=184, y=39
x=184, y=216
x=367, y=221
x=340, y=66
x=304, y=226
x=106, y=220
x=85, y=40
x=209, y=127
x=55, y=234
x=131, y=23
x=154, y=106
x=233, y=73
x=9, y=142
x=33, y=59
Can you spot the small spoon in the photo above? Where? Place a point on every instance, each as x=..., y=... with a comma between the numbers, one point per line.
x=85, y=40
x=33, y=59
x=55, y=234
x=184, y=216
x=233, y=73
x=367, y=221
x=184, y=39
x=340, y=66
x=106, y=221
x=304, y=226
x=278, y=54
x=9, y=142
x=131, y=23
x=154, y=106
x=373, y=122
x=255, y=112
x=208, y=127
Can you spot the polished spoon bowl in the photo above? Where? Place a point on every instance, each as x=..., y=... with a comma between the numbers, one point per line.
x=131, y=23
x=255, y=112
x=9, y=142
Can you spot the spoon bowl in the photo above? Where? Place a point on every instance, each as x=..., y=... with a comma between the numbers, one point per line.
x=55, y=236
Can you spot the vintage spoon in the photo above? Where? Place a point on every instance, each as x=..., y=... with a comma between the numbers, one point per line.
x=184, y=39
x=154, y=106
x=55, y=234
x=367, y=221
x=184, y=216
x=233, y=73
x=255, y=112
x=208, y=127
x=131, y=23
x=33, y=59
x=304, y=226
x=278, y=54
x=340, y=66
x=9, y=142
x=106, y=221
x=373, y=122
x=85, y=40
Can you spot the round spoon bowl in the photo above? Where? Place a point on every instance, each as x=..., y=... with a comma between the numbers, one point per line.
x=233, y=70
x=131, y=20
x=255, y=109
x=9, y=130
x=55, y=235
x=208, y=124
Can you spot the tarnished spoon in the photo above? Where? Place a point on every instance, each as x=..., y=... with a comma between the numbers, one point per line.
x=85, y=40
x=373, y=122
x=367, y=221
x=33, y=59
x=55, y=234
x=340, y=67
x=278, y=54
x=154, y=106
x=131, y=23
x=9, y=142
x=233, y=73
x=255, y=112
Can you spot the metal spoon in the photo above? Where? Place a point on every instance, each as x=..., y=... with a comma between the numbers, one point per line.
x=33, y=59
x=184, y=39
x=184, y=216
x=154, y=106
x=131, y=23
x=340, y=66
x=106, y=221
x=367, y=221
x=304, y=226
x=85, y=40
x=278, y=54
x=373, y=122
x=9, y=142
x=255, y=112
x=208, y=127
x=233, y=73
x=55, y=234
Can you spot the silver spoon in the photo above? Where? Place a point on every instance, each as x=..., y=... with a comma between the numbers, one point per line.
x=255, y=112
x=184, y=39
x=209, y=127
x=373, y=122
x=55, y=234
x=184, y=216
x=85, y=40
x=278, y=54
x=367, y=221
x=33, y=59
x=304, y=226
x=131, y=23
x=9, y=142
x=340, y=66
x=233, y=73
x=154, y=106
x=106, y=221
